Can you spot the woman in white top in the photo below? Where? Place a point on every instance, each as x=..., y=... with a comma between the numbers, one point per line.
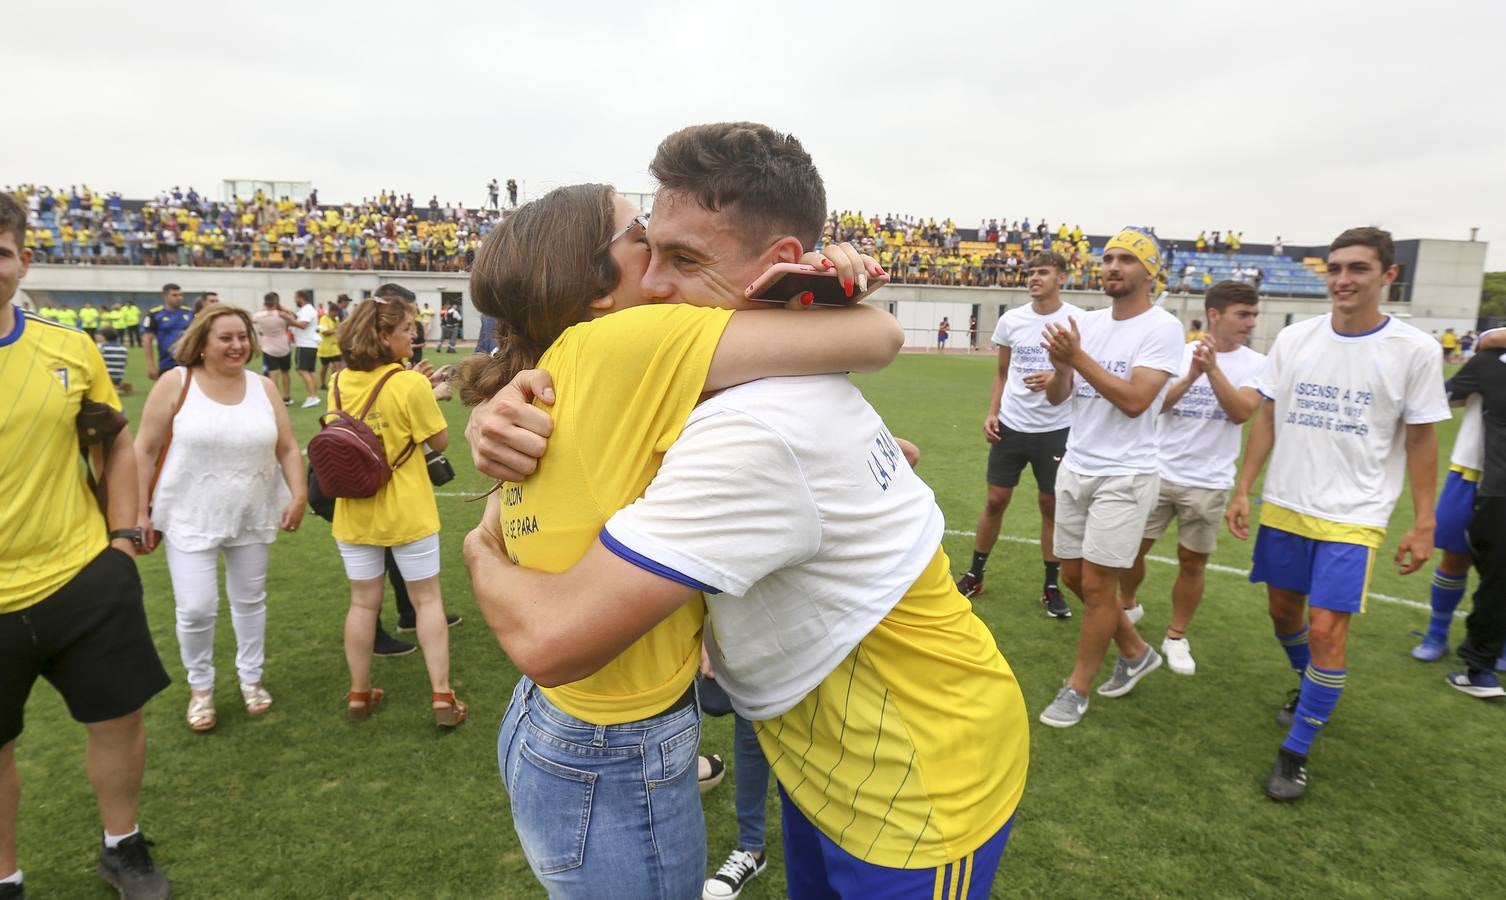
x=231, y=476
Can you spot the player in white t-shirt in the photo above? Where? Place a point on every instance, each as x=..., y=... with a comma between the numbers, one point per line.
x=1456, y=509
x=306, y=340
x=1115, y=365
x=1198, y=432
x=1351, y=399
x=1022, y=427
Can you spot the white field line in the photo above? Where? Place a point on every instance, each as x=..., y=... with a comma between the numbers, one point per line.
x=1216, y=567
x=1163, y=560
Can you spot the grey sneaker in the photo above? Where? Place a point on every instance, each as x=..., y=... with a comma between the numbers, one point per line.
x=1127, y=674
x=1066, y=710
x=130, y=870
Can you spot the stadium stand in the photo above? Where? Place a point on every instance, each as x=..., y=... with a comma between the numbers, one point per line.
x=82, y=226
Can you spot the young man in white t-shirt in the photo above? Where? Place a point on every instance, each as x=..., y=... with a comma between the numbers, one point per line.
x=306, y=340
x=1455, y=512
x=1023, y=428
x=1114, y=365
x=1198, y=431
x=1350, y=402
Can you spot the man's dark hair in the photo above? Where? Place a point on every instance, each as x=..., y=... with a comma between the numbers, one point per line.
x=761, y=175
x=271, y=299
x=1048, y=258
x=109, y=333
x=1375, y=238
x=1197, y=324
x=1227, y=293
x=305, y=294
x=169, y=288
x=12, y=219
x=394, y=291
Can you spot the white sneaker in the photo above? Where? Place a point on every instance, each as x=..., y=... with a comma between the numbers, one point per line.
x=739, y=869
x=1179, y=656
x=1135, y=613
x=312, y=402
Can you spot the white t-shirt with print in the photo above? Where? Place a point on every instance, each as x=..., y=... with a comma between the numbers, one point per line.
x=1342, y=402
x=1198, y=442
x=1469, y=443
x=1105, y=441
x=307, y=337
x=1021, y=409
x=791, y=501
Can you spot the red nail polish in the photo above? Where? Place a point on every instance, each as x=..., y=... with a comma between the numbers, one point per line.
x=828, y=264
x=847, y=286
x=807, y=298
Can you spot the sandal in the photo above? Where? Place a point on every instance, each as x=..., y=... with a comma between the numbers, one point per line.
x=359, y=705
x=201, y=716
x=257, y=699
x=453, y=713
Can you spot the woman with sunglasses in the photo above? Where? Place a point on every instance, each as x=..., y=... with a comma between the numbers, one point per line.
x=601, y=770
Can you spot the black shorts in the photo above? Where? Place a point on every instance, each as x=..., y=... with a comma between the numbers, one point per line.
x=308, y=358
x=277, y=363
x=1042, y=450
x=89, y=639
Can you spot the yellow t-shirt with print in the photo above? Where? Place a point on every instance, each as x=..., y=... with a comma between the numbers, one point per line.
x=404, y=509
x=329, y=337
x=46, y=372
x=624, y=386
x=901, y=767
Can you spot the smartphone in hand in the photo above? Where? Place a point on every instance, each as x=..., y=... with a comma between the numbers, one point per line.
x=783, y=282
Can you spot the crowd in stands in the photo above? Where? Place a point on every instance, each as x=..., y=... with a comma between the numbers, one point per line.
x=391, y=231
x=82, y=226
x=923, y=251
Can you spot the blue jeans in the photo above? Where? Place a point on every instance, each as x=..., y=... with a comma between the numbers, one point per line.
x=605, y=809
x=751, y=774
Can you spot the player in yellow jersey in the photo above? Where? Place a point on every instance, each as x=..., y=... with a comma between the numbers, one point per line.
x=70, y=597
x=834, y=623
x=648, y=365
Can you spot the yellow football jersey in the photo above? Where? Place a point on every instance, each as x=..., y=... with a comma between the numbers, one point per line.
x=648, y=366
x=50, y=524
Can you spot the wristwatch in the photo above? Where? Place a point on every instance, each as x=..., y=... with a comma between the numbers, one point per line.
x=133, y=533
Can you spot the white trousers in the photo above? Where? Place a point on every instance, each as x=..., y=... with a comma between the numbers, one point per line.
x=196, y=594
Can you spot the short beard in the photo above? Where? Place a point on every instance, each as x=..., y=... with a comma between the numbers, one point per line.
x=1124, y=290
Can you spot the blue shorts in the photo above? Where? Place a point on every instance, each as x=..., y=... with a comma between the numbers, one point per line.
x=815, y=868
x=1456, y=508
x=1330, y=574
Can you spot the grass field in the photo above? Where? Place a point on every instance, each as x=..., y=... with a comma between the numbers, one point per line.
x=1155, y=794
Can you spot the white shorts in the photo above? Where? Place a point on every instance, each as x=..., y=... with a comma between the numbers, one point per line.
x=416, y=561
x=1101, y=518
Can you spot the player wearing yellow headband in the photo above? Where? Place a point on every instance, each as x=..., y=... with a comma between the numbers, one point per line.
x=1114, y=365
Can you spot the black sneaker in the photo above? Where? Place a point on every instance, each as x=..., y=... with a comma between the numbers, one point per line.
x=1288, y=710
x=129, y=868
x=739, y=869
x=1055, y=603
x=1288, y=781
x=12, y=892
x=406, y=626
x=387, y=645
x=970, y=585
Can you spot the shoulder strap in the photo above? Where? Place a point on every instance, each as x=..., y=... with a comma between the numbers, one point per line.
x=167, y=440
x=381, y=382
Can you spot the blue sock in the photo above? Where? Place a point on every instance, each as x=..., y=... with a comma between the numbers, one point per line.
x=1448, y=590
x=1321, y=690
x=1295, y=645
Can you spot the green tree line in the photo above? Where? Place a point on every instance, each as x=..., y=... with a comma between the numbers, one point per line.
x=1493, y=296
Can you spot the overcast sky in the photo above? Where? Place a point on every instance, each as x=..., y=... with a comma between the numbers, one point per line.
x=1292, y=118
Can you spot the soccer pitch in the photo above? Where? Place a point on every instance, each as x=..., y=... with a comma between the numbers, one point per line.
x=1154, y=794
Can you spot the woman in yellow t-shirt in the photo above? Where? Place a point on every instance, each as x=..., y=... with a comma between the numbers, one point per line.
x=555, y=275
x=401, y=517
x=329, y=345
